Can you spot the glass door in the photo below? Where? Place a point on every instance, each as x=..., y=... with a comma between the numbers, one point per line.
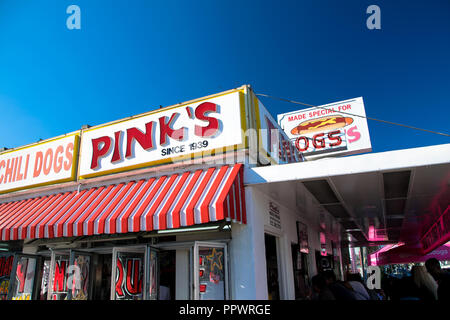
x=152, y=277
x=6, y=265
x=134, y=273
x=58, y=288
x=210, y=271
x=23, y=277
x=79, y=279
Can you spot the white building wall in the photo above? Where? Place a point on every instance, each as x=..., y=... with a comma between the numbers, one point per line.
x=247, y=255
x=247, y=249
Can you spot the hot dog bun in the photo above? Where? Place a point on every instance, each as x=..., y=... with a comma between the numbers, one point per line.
x=321, y=124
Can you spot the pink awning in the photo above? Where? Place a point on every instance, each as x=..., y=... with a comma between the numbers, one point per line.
x=398, y=254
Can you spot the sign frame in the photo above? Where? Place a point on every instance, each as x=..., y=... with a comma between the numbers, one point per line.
x=189, y=155
x=74, y=165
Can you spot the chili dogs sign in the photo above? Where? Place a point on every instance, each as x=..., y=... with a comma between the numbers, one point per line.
x=45, y=163
x=334, y=129
x=160, y=137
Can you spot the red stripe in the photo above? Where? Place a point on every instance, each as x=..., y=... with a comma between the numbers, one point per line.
x=171, y=199
x=104, y=216
x=162, y=214
x=92, y=209
x=6, y=205
x=99, y=210
x=136, y=218
x=24, y=223
x=176, y=211
x=113, y=219
x=198, y=192
x=124, y=219
x=32, y=226
x=81, y=209
x=41, y=227
x=223, y=212
x=65, y=214
x=204, y=208
x=151, y=212
x=17, y=216
x=220, y=203
x=11, y=209
x=24, y=215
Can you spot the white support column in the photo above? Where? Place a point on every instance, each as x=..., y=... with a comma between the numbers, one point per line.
x=248, y=279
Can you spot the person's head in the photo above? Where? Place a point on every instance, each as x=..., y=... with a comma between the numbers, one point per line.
x=318, y=283
x=329, y=276
x=433, y=267
x=354, y=277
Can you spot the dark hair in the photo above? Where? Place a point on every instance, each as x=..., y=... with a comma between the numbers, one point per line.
x=432, y=264
x=318, y=281
x=329, y=275
x=354, y=277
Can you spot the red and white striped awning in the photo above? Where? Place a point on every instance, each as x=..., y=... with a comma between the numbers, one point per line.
x=165, y=202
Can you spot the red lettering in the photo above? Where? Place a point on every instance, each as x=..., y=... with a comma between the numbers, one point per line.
x=119, y=276
x=69, y=157
x=15, y=169
x=134, y=283
x=117, y=139
x=145, y=140
x=57, y=165
x=38, y=164
x=26, y=167
x=283, y=152
x=60, y=276
x=99, y=151
x=213, y=124
x=19, y=167
x=48, y=161
x=316, y=140
x=306, y=144
x=2, y=165
x=332, y=137
x=166, y=130
x=354, y=134
x=21, y=274
x=9, y=170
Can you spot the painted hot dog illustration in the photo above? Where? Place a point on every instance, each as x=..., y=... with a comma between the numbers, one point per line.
x=322, y=124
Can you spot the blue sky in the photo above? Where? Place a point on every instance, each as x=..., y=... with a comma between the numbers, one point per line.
x=132, y=56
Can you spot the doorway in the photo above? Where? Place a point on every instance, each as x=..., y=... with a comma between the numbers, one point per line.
x=102, y=277
x=167, y=277
x=273, y=285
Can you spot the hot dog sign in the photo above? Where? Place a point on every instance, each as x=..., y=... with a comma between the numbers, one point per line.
x=334, y=129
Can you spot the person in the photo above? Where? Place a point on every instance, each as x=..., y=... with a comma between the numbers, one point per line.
x=321, y=291
x=338, y=288
x=360, y=291
x=426, y=286
x=164, y=293
x=443, y=279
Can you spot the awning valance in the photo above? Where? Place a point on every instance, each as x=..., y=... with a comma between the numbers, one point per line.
x=169, y=201
x=402, y=253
